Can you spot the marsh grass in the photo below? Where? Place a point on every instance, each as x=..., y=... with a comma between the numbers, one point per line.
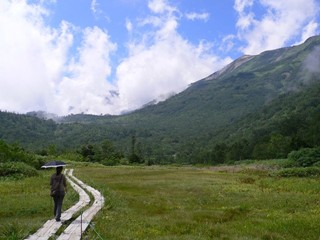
x=26, y=205
x=186, y=203
x=194, y=203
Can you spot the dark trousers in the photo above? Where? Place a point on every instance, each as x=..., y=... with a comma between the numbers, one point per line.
x=57, y=206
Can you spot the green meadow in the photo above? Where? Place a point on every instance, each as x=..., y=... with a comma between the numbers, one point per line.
x=168, y=202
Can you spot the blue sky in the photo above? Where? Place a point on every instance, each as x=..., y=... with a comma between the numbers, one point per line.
x=114, y=56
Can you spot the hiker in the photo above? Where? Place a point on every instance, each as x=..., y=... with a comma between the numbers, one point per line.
x=58, y=190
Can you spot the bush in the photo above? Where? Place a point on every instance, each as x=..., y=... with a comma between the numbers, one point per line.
x=17, y=170
x=299, y=172
x=317, y=164
x=15, y=153
x=110, y=161
x=305, y=157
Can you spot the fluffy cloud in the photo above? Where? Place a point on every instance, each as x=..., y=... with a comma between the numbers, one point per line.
x=32, y=56
x=283, y=22
x=160, y=6
x=167, y=66
x=38, y=73
x=86, y=89
x=163, y=62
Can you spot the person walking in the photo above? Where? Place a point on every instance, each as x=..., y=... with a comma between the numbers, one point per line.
x=58, y=190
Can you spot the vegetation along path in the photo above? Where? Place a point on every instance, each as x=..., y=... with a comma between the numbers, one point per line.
x=75, y=229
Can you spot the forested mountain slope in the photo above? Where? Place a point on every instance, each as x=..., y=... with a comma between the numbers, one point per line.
x=31, y=132
x=224, y=97
x=232, y=114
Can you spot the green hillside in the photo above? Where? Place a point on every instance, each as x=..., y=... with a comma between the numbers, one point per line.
x=31, y=132
x=241, y=111
x=236, y=92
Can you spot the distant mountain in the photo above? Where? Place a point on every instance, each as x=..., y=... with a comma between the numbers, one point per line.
x=246, y=105
x=243, y=87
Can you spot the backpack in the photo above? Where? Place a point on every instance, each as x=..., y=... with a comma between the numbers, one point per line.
x=55, y=187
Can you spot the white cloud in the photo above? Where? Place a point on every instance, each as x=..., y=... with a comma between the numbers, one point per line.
x=227, y=43
x=163, y=62
x=245, y=21
x=284, y=21
x=94, y=6
x=129, y=25
x=312, y=62
x=32, y=56
x=96, y=10
x=160, y=6
x=310, y=29
x=167, y=66
x=198, y=16
x=87, y=89
x=37, y=73
x=241, y=5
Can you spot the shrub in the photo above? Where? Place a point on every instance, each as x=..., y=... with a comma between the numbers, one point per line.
x=15, y=153
x=299, y=172
x=17, y=170
x=110, y=161
x=38, y=161
x=305, y=157
x=317, y=164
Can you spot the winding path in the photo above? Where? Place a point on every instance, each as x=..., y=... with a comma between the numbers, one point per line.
x=75, y=229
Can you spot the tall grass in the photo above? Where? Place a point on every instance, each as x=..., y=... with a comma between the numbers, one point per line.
x=192, y=203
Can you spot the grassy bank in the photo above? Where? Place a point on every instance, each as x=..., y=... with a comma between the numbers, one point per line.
x=201, y=203
x=25, y=205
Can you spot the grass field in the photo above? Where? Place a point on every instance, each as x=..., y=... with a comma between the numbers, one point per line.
x=201, y=203
x=176, y=203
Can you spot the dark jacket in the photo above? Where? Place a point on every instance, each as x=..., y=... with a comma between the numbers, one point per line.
x=58, y=183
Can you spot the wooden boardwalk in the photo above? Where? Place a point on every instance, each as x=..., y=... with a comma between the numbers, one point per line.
x=76, y=228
